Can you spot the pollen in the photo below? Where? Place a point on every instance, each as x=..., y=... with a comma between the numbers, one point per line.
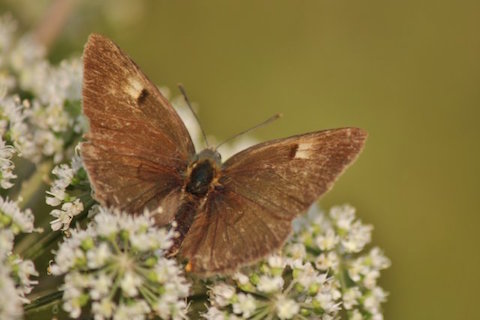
x=188, y=267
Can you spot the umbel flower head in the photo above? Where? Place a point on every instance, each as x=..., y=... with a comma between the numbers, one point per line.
x=321, y=273
x=116, y=268
x=15, y=273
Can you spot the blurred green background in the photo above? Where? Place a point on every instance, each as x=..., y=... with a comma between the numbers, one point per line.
x=407, y=71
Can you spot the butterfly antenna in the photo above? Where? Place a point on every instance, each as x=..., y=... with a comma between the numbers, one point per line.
x=271, y=119
x=184, y=94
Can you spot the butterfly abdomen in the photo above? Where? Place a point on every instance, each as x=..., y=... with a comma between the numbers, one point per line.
x=183, y=220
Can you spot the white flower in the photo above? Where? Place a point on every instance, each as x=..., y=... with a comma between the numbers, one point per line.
x=350, y=297
x=25, y=269
x=130, y=283
x=327, y=261
x=222, y=294
x=240, y=278
x=373, y=300
x=10, y=303
x=6, y=242
x=286, y=308
x=97, y=257
x=276, y=261
x=107, y=224
x=343, y=216
x=378, y=259
x=307, y=276
x=65, y=215
x=327, y=300
x=245, y=305
x=100, y=286
x=133, y=311
x=6, y=165
x=64, y=177
x=103, y=309
x=214, y=314
x=357, y=237
x=270, y=284
x=327, y=241
x=296, y=251
x=18, y=221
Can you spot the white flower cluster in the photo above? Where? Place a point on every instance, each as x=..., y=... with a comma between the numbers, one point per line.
x=6, y=165
x=15, y=273
x=335, y=244
x=39, y=103
x=71, y=205
x=318, y=274
x=116, y=267
x=280, y=288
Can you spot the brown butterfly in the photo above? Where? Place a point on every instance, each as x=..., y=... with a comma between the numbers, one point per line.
x=138, y=154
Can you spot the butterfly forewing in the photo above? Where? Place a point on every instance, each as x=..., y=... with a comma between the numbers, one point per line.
x=137, y=148
x=261, y=189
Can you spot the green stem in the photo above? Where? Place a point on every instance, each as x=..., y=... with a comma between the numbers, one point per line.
x=33, y=184
x=29, y=192
x=38, y=249
x=43, y=302
x=49, y=237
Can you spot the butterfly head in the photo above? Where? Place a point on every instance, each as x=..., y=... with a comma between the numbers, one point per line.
x=209, y=154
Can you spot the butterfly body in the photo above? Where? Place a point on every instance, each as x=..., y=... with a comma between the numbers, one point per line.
x=138, y=155
x=201, y=178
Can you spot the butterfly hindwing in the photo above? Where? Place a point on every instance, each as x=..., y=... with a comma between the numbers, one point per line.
x=261, y=190
x=137, y=148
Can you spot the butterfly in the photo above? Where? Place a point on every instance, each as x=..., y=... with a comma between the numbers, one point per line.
x=139, y=155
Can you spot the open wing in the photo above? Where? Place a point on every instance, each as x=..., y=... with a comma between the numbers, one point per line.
x=137, y=148
x=260, y=191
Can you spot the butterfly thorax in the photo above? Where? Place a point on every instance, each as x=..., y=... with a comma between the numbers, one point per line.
x=203, y=172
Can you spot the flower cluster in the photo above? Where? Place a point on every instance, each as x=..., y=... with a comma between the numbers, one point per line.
x=117, y=268
x=6, y=165
x=15, y=273
x=279, y=288
x=335, y=243
x=68, y=190
x=319, y=274
x=39, y=102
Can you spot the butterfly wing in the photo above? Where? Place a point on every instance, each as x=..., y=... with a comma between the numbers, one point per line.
x=260, y=191
x=137, y=148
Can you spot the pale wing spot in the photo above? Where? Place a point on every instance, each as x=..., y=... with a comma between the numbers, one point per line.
x=304, y=150
x=134, y=88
